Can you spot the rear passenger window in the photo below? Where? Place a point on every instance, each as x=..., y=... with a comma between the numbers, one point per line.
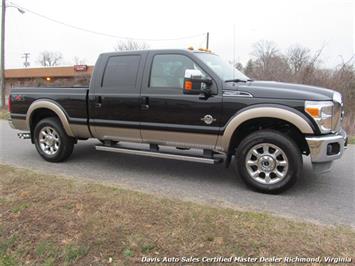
x=121, y=72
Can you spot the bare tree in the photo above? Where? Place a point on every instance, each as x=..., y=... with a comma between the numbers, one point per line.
x=269, y=63
x=131, y=45
x=47, y=58
x=249, y=68
x=264, y=50
x=343, y=80
x=79, y=61
x=239, y=66
x=298, y=57
x=310, y=70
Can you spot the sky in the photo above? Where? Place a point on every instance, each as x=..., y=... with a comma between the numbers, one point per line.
x=234, y=27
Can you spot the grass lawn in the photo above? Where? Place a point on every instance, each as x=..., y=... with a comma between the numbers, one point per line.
x=49, y=220
x=4, y=114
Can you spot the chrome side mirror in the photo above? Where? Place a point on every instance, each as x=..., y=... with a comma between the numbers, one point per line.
x=193, y=74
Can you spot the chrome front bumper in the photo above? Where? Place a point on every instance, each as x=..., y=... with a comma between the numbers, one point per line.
x=328, y=147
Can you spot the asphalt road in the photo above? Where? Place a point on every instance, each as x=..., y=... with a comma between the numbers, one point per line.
x=327, y=198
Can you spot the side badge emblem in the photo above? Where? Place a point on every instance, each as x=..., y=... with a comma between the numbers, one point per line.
x=208, y=119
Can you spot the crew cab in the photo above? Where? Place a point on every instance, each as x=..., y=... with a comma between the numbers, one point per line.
x=187, y=105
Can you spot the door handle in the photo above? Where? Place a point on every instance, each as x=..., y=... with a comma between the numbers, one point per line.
x=145, y=103
x=98, y=103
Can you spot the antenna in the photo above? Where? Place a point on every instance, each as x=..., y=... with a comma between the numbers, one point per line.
x=207, y=40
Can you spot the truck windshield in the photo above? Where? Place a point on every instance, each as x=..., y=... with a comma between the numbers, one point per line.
x=224, y=70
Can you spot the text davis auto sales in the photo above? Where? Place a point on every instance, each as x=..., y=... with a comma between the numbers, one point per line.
x=233, y=259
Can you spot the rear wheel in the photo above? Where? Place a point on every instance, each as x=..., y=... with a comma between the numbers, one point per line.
x=269, y=161
x=51, y=141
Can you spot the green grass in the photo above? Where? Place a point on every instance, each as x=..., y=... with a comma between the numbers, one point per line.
x=72, y=253
x=146, y=248
x=19, y=208
x=127, y=253
x=4, y=114
x=46, y=248
x=49, y=220
x=5, y=258
x=352, y=140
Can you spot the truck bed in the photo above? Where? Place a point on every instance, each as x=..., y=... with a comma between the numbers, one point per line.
x=72, y=100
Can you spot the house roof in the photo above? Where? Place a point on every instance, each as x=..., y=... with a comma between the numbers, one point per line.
x=42, y=72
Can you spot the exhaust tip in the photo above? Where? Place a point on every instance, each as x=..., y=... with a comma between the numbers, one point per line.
x=25, y=135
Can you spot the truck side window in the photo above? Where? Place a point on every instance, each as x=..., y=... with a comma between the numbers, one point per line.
x=169, y=70
x=121, y=72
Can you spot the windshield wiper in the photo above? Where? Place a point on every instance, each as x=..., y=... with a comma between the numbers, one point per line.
x=238, y=80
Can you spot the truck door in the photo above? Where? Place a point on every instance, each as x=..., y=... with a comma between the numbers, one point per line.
x=168, y=116
x=115, y=101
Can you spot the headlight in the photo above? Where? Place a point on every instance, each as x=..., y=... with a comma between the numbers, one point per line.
x=338, y=111
x=337, y=97
x=322, y=113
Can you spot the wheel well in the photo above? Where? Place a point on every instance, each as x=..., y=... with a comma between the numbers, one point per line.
x=37, y=116
x=280, y=125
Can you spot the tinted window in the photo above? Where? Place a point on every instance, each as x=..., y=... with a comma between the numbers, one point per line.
x=224, y=70
x=169, y=70
x=121, y=71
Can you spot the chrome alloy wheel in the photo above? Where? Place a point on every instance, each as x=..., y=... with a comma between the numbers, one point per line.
x=266, y=163
x=49, y=140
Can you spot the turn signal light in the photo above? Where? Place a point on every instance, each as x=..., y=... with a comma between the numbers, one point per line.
x=204, y=50
x=313, y=111
x=188, y=85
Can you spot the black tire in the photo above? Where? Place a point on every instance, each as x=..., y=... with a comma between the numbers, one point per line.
x=272, y=139
x=66, y=143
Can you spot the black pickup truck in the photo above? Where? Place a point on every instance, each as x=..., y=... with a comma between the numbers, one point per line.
x=187, y=105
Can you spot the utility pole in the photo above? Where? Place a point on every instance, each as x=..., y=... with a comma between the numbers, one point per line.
x=2, y=56
x=26, y=56
x=207, y=40
x=2, y=44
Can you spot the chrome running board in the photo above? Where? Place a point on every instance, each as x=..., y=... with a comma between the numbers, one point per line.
x=164, y=155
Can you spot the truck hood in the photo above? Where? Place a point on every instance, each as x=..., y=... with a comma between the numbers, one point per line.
x=280, y=90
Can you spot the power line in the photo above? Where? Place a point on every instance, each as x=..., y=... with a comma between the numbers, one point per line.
x=102, y=33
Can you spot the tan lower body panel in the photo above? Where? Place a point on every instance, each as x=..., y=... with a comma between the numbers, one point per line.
x=176, y=139
x=180, y=139
x=19, y=124
x=80, y=131
x=117, y=133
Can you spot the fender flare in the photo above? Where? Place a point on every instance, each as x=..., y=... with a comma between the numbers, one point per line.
x=291, y=116
x=48, y=104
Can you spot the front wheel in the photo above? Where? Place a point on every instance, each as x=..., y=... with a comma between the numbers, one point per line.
x=51, y=141
x=269, y=161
